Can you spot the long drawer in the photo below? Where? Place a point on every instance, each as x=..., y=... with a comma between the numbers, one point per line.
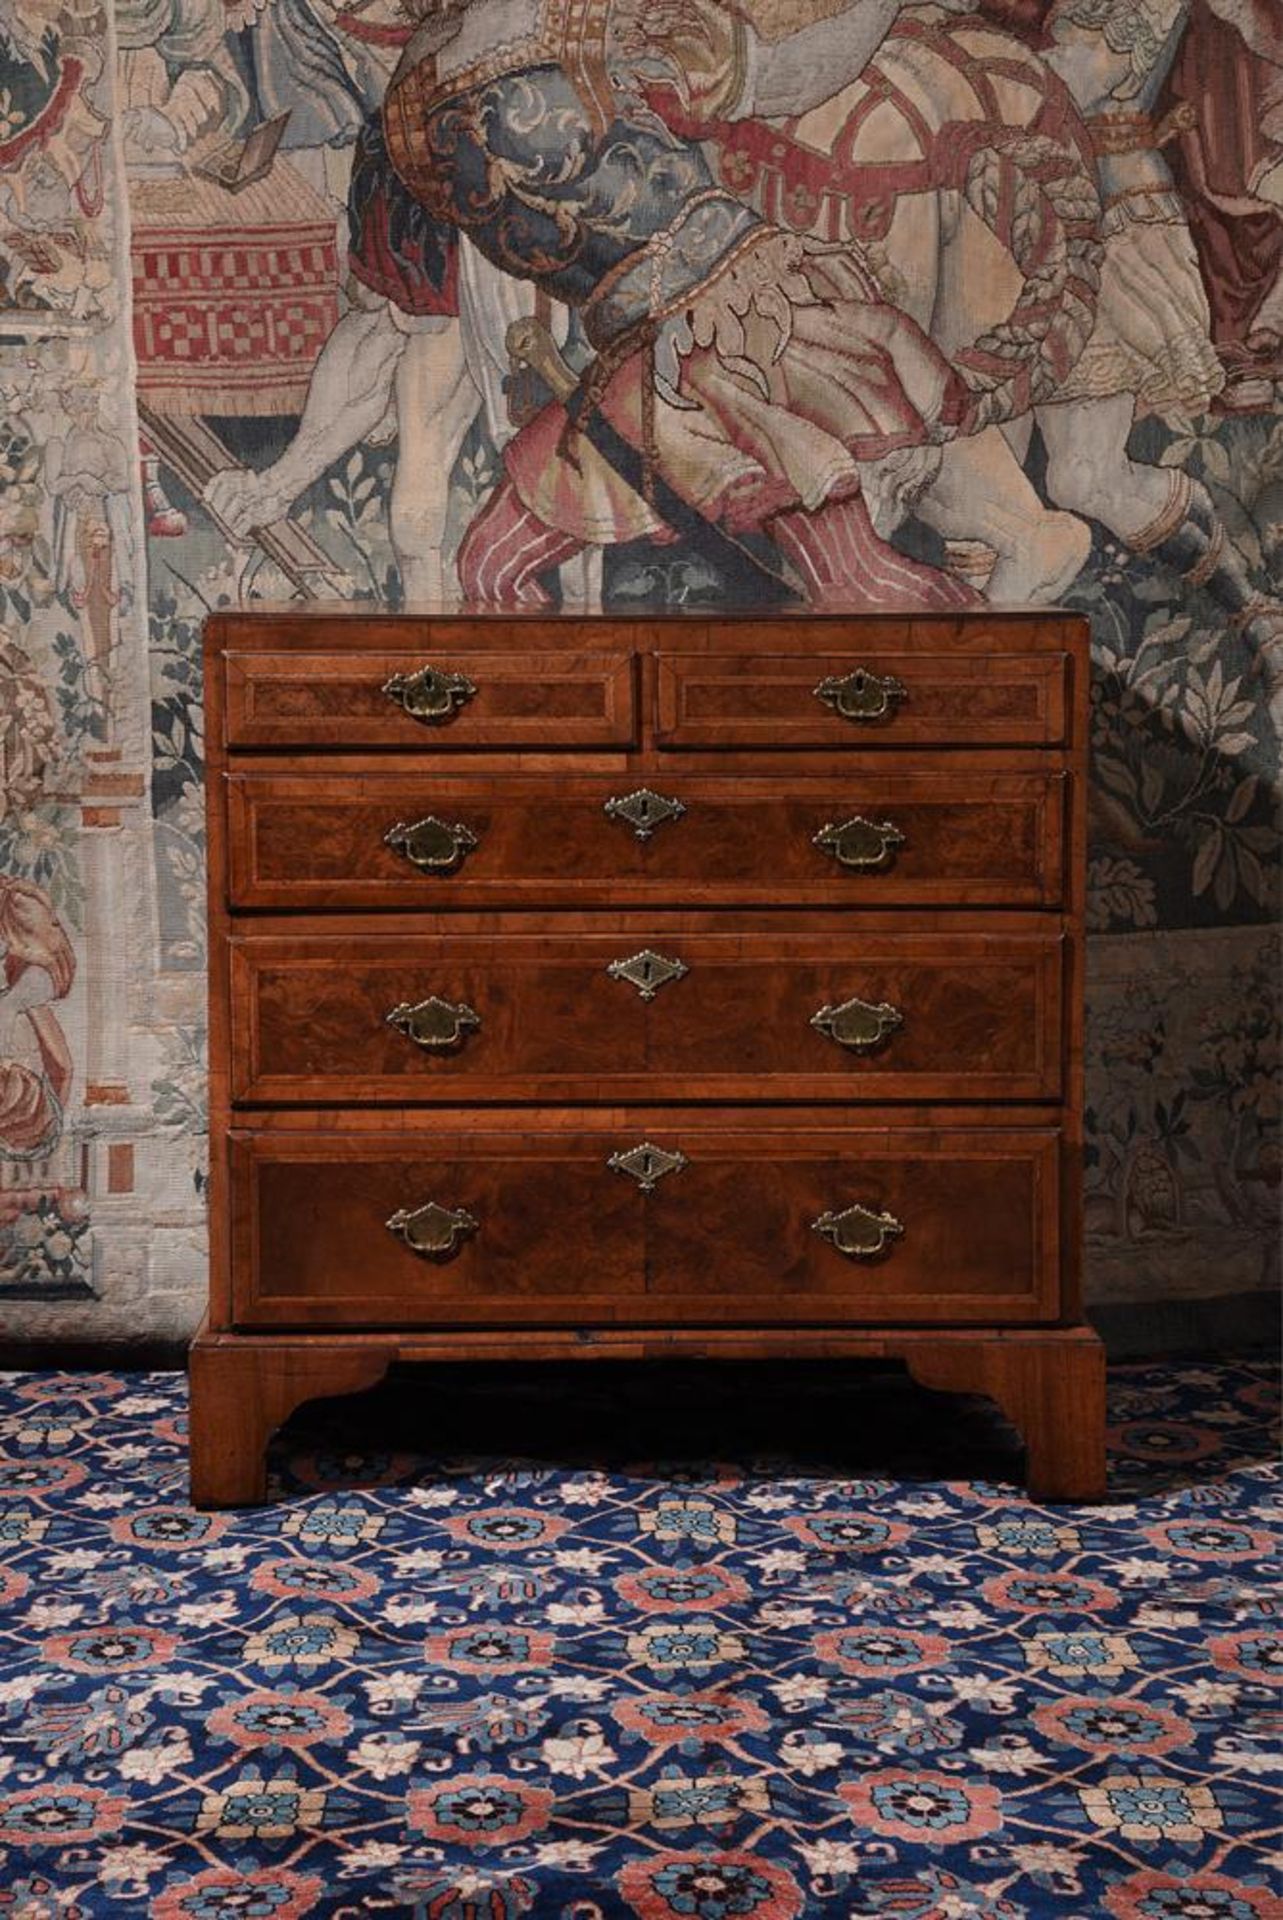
x=397, y=839
x=548, y=1017
x=673, y=1222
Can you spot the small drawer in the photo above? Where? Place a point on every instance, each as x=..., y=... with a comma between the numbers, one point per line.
x=449, y=699
x=658, y=1221
x=382, y=839
x=542, y=1017
x=865, y=698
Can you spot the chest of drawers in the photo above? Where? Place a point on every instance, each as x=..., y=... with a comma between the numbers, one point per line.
x=590, y=987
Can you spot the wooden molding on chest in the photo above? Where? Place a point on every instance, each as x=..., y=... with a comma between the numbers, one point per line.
x=572, y=975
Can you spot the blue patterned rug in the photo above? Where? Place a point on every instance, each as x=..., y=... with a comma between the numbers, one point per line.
x=561, y=1676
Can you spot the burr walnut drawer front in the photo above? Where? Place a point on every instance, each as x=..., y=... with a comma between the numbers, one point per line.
x=394, y=839
x=664, y=1221
x=893, y=698
x=460, y=698
x=748, y=1016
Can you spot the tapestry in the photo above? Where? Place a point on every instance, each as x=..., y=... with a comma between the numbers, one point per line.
x=752, y=1685
x=964, y=304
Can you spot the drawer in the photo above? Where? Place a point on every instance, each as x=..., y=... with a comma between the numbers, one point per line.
x=896, y=838
x=862, y=698
x=548, y=1017
x=458, y=698
x=431, y=1226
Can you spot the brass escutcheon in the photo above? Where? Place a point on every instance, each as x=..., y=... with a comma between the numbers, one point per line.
x=647, y=1164
x=648, y=971
x=866, y=844
x=435, y=1232
x=644, y=810
x=433, y=694
x=432, y=845
x=861, y=695
x=858, y=1024
x=433, y=1024
x=860, y=1232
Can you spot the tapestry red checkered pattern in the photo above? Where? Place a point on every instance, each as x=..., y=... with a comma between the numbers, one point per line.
x=234, y=294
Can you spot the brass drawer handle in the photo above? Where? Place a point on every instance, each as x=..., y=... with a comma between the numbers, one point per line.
x=862, y=695
x=859, y=1232
x=644, y=810
x=433, y=1024
x=866, y=844
x=647, y=1164
x=435, y=1232
x=858, y=1024
x=432, y=845
x=433, y=694
x=648, y=971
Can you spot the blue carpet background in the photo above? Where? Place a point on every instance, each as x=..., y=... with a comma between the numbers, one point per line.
x=706, y=1646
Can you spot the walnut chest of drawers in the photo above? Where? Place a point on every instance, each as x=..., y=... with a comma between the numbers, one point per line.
x=595, y=986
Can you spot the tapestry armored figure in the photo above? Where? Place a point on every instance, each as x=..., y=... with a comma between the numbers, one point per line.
x=754, y=369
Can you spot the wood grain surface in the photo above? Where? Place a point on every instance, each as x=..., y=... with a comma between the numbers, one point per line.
x=316, y=841
x=728, y=1236
x=979, y=1017
x=525, y=699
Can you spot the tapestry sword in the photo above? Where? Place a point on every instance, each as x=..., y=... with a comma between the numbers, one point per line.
x=531, y=345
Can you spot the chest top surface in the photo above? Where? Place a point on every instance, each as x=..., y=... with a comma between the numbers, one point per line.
x=339, y=624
